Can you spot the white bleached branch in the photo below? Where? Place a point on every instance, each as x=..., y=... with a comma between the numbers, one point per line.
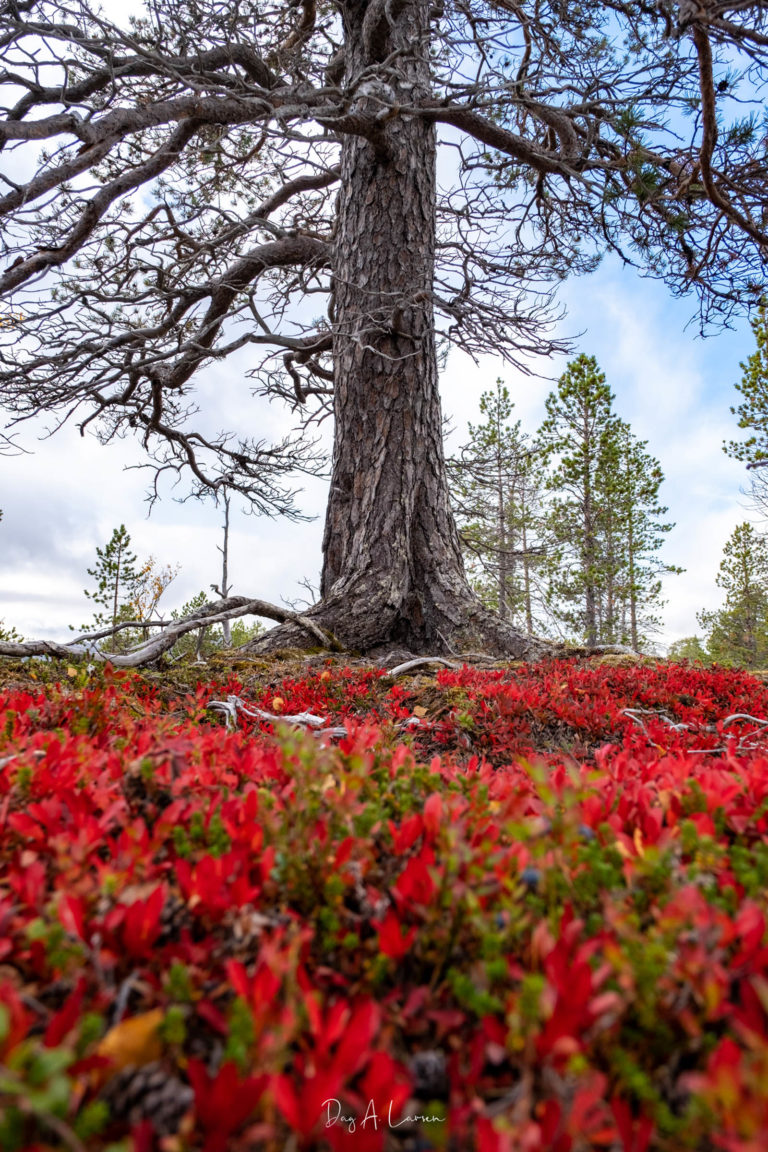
x=149, y=650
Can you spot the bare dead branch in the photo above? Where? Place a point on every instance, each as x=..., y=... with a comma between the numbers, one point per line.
x=233, y=706
x=303, y=29
x=420, y=662
x=709, y=140
x=147, y=651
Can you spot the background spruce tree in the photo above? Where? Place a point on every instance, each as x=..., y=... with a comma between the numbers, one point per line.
x=689, y=648
x=116, y=578
x=496, y=495
x=641, y=532
x=737, y=633
x=605, y=519
x=126, y=589
x=753, y=412
x=201, y=644
x=578, y=437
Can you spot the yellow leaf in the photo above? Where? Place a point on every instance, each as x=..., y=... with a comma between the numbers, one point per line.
x=638, y=839
x=71, y=671
x=420, y=712
x=134, y=1041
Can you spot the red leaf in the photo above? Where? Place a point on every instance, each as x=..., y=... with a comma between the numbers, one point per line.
x=354, y=1049
x=223, y=1102
x=384, y=1079
x=635, y=1135
x=141, y=925
x=66, y=1018
x=407, y=834
x=19, y=1022
x=305, y=1107
x=414, y=885
x=433, y=814
x=72, y=915
x=392, y=941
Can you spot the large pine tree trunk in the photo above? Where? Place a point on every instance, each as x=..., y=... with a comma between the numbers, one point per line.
x=393, y=571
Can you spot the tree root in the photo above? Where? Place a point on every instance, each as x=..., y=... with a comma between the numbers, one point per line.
x=320, y=623
x=364, y=627
x=215, y=612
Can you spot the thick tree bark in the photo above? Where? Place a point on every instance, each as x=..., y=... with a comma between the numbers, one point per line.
x=393, y=571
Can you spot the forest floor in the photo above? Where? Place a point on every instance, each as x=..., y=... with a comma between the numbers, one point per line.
x=301, y=903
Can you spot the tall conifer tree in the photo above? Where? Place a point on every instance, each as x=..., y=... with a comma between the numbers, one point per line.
x=605, y=516
x=196, y=178
x=578, y=437
x=497, y=502
x=116, y=579
x=642, y=531
x=753, y=411
x=737, y=633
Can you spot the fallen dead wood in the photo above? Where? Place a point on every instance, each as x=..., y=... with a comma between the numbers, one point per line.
x=233, y=705
x=215, y=612
x=747, y=742
x=559, y=650
x=419, y=662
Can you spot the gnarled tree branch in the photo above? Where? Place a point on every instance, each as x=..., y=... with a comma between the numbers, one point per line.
x=149, y=650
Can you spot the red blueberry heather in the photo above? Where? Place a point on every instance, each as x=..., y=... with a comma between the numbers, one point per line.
x=534, y=918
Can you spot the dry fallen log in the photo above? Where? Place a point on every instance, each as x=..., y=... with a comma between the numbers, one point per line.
x=215, y=612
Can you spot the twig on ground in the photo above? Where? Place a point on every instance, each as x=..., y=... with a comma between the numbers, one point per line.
x=233, y=704
x=83, y=637
x=743, y=716
x=121, y=1001
x=747, y=741
x=419, y=661
x=37, y=753
x=636, y=713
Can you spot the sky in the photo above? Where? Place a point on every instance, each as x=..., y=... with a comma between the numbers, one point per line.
x=65, y=494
